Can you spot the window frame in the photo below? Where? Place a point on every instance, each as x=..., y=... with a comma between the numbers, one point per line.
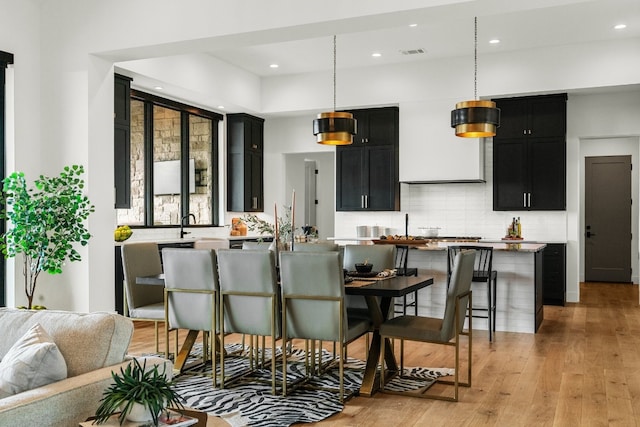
x=150, y=100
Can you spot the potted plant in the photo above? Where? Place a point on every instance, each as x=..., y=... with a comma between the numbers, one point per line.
x=45, y=222
x=285, y=231
x=137, y=386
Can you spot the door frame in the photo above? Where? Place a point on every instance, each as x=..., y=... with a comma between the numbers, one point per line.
x=612, y=146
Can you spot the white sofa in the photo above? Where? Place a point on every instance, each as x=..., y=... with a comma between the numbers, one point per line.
x=92, y=344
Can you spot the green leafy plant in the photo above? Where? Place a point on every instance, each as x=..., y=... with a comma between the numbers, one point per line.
x=137, y=384
x=45, y=222
x=285, y=230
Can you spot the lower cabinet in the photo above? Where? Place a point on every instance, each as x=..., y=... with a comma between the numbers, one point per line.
x=554, y=274
x=119, y=279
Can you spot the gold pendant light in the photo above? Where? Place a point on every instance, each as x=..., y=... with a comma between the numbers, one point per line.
x=475, y=119
x=334, y=128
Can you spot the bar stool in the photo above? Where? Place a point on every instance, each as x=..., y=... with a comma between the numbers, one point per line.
x=483, y=273
x=401, y=304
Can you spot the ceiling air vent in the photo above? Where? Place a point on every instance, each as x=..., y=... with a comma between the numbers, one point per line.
x=413, y=51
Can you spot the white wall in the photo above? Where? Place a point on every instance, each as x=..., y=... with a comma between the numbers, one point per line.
x=20, y=35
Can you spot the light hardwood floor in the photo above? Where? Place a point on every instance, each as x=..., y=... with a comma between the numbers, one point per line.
x=581, y=368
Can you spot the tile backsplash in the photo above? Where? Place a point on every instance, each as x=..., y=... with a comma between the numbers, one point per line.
x=459, y=209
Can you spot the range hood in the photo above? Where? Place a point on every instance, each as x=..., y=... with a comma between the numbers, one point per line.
x=430, y=153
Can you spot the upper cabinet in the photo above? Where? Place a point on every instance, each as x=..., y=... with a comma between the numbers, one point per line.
x=245, y=139
x=122, y=141
x=535, y=116
x=367, y=170
x=376, y=126
x=529, y=154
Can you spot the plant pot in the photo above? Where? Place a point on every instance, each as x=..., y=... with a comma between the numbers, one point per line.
x=139, y=413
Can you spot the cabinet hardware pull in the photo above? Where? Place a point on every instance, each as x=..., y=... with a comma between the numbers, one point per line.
x=524, y=200
x=528, y=200
x=362, y=201
x=254, y=202
x=366, y=201
x=254, y=146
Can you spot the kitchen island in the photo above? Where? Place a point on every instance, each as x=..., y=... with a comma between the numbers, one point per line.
x=519, y=287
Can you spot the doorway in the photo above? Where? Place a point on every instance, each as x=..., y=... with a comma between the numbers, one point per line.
x=309, y=173
x=607, y=230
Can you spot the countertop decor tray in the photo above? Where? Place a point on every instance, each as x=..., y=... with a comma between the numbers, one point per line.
x=368, y=275
x=407, y=242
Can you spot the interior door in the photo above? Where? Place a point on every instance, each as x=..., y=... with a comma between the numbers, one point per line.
x=608, y=219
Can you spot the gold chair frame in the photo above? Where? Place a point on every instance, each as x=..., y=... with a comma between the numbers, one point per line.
x=455, y=343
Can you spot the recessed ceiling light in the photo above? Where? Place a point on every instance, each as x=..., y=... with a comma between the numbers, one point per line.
x=494, y=41
x=221, y=107
x=413, y=25
x=620, y=27
x=376, y=54
x=274, y=65
x=158, y=87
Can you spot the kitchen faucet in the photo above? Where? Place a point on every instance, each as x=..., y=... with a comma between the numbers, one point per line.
x=182, y=232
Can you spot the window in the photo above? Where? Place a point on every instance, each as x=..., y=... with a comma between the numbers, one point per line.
x=173, y=164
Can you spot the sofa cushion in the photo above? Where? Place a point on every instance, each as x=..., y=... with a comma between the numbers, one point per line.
x=87, y=341
x=33, y=361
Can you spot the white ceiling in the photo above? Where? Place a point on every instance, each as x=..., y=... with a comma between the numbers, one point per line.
x=445, y=32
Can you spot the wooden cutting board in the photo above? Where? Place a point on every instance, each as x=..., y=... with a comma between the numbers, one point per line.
x=400, y=241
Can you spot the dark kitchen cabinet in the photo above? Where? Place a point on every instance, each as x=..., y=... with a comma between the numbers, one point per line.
x=367, y=171
x=554, y=274
x=529, y=163
x=122, y=141
x=245, y=185
x=376, y=126
x=536, y=116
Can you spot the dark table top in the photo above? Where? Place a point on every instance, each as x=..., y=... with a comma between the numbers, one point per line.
x=396, y=286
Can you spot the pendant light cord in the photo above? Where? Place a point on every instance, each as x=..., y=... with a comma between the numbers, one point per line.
x=475, y=59
x=334, y=73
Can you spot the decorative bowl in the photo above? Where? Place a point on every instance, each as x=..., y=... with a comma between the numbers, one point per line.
x=364, y=268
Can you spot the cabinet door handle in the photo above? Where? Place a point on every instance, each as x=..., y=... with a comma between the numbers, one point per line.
x=254, y=146
x=254, y=202
x=524, y=131
x=366, y=201
x=529, y=131
x=524, y=200
x=528, y=200
x=362, y=201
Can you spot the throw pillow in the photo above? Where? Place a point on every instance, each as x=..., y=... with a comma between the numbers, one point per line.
x=33, y=361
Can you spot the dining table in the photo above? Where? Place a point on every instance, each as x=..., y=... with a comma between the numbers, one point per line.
x=379, y=293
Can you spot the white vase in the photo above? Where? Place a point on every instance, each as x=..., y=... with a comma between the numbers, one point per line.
x=139, y=413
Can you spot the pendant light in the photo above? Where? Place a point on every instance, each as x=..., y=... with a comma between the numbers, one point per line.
x=475, y=119
x=334, y=128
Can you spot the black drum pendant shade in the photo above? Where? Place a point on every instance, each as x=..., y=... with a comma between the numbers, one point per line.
x=334, y=128
x=475, y=119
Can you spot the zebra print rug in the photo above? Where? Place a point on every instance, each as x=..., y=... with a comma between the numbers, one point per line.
x=249, y=402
